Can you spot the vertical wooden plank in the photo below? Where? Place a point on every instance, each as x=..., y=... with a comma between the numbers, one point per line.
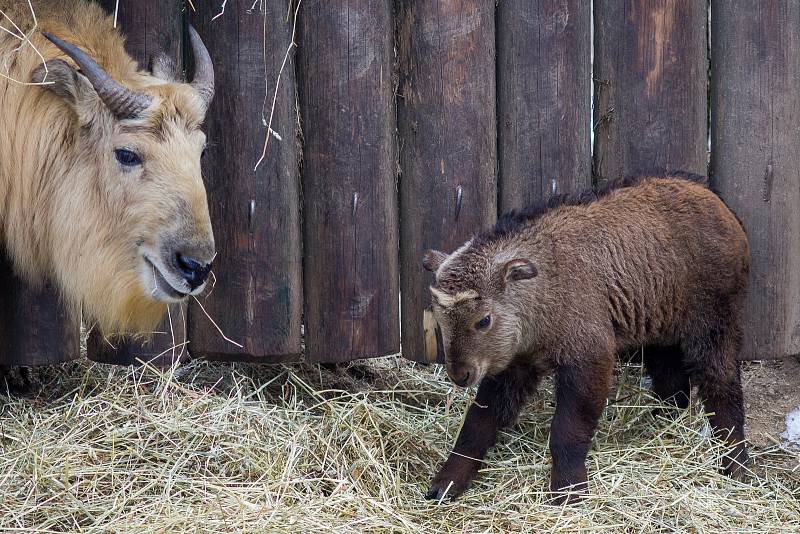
x=651, y=79
x=35, y=328
x=755, y=110
x=543, y=99
x=151, y=27
x=448, y=142
x=257, y=297
x=350, y=202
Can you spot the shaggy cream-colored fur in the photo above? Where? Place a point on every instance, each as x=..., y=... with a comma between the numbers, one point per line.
x=69, y=211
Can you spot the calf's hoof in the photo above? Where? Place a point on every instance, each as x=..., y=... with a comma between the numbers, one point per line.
x=560, y=498
x=450, y=482
x=735, y=463
x=568, y=491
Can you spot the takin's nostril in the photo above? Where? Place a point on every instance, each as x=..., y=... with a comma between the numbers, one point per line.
x=193, y=271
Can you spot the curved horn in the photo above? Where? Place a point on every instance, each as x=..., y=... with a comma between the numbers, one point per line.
x=123, y=102
x=203, y=81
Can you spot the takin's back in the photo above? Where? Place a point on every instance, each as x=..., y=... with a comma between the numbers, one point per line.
x=658, y=255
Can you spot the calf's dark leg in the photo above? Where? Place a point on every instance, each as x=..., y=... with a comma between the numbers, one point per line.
x=670, y=379
x=497, y=405
x=715, y=370
x=581, y=394
x=727, y=419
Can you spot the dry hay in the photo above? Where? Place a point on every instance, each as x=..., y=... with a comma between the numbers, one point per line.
x=219, y=448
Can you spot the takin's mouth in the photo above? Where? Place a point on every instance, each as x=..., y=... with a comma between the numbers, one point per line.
x=159, y=286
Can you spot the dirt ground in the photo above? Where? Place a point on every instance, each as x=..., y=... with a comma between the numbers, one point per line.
x=771, y=390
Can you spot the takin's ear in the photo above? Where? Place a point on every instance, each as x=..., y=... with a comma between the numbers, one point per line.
x=433, y=259
x=62, y=80
x=519, y=269
x=164, y=68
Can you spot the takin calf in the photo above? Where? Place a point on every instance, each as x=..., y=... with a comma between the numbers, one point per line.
x=653, y=262
x=100, y=176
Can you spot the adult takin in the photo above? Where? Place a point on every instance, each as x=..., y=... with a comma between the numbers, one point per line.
x=653, y=262
x=100, y=175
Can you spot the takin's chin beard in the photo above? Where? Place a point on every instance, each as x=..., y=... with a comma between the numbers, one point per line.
x=123, y=307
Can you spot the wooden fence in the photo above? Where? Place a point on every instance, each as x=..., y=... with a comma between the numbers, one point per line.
x=400, y=126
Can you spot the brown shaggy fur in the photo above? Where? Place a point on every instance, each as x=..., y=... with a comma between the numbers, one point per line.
x=653, y=262
x=69, y=210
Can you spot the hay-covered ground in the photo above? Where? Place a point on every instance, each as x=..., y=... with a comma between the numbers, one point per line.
x=210, y=447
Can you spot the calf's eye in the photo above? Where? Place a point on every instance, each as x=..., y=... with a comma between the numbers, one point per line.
x=127, y=157
x=484, y=323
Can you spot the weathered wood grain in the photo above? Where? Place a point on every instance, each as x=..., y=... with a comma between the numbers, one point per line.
x=151, y=27
x=755, y=111
x=448, y=141
x=349, y=179
x=544, y=95
x=35, y=328
x=651, y=80
x=256, y=298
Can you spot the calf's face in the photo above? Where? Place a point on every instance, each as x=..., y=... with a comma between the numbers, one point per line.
x=474, y=303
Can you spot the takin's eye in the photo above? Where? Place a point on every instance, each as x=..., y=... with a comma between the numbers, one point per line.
x=127, y=157
x=484, y=323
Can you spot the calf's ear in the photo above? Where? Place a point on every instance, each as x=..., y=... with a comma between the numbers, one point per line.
x=58, y=77
x=433, y=259
x=519, y=269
